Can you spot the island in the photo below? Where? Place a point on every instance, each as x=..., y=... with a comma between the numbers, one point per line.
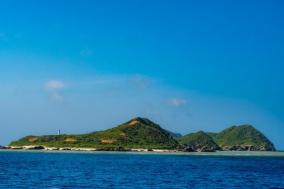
x=141, y=134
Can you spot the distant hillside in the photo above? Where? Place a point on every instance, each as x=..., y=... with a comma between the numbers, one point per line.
x=199, y=141
x=174, y=135
x=211, y=134
x=244, y=137
x=143, y=133
x=136, y=133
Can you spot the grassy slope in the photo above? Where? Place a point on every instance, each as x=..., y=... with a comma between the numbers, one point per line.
x=137, y=133
x=142, y=133
x=241, y=135
x=174, y=135
x=198, y=139
x=211, y=134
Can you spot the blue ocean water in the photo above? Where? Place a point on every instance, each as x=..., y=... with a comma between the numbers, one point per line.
x=122, y=170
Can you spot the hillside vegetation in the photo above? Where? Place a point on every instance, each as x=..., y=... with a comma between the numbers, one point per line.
x=198, y=141
x=245, y=136
x=136, y=133
x=143, y=133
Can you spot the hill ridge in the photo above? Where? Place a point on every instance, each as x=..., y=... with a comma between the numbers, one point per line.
x=143, y=133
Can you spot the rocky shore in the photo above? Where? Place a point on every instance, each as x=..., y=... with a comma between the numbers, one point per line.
x=121, y=149
x=44, y=148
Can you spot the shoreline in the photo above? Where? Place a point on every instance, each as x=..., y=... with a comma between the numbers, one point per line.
x=159, y=152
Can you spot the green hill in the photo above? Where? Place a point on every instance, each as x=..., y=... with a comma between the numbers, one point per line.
x=136, y=133
x=143, y=133
x=244, y=137
x=199, y=141
x=211, y=134
x=174, y=135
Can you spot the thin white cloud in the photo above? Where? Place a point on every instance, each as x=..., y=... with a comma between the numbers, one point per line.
x=53, y=88
x=56, y=97
x=54, y=85
x=177, y=102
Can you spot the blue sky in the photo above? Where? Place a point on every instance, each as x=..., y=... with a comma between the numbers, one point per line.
x=189, y=65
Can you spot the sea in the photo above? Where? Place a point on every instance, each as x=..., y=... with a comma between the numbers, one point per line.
x=38, y=169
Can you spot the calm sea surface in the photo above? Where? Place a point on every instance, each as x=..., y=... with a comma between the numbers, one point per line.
x=123, y=170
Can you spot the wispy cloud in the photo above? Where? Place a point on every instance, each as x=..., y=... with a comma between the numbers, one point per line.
x=116, y=82
x=53, y=87
x=177, y=102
